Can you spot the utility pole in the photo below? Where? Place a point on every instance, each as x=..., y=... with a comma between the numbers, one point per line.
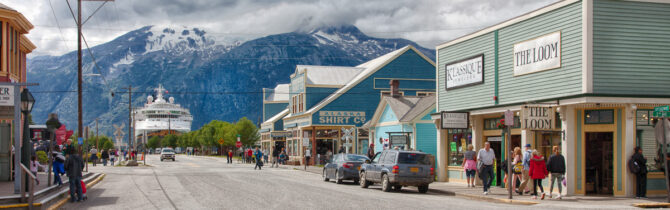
x=96, y=134
x=79, y=75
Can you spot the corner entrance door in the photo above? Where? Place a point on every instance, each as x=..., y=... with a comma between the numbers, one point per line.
x=599, y=163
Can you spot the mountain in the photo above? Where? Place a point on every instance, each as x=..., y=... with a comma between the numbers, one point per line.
x=215, y=77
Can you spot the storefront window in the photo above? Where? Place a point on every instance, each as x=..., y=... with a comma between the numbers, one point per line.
x=646, y=139
x=459, y=139
x=547, y=140
x=363, y=141
x=326, y=133
x=599, y=116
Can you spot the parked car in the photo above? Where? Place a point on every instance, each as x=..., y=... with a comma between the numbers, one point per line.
x=167, y=153
x=397, y=168
x=343, y=167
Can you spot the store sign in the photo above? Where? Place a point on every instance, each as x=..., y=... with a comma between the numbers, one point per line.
x=469, y=71
x=455, y=120
x=539, y=54
x=341, y=117
x=399, y=139
x=538, y=118
x=280, y=134
x=6, y=95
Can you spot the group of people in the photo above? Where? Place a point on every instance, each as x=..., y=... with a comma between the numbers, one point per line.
x=105, y=156
x=527, y=166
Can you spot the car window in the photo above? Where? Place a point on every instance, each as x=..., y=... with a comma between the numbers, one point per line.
x=414, y=158
x=377, y=157
x=167, y=150
x=390, y=158
x=355, y=158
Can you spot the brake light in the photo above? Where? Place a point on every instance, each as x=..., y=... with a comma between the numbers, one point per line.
x=347, y=165
x=395, y=170
x=432, y=171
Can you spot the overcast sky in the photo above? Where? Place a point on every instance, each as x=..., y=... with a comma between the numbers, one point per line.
x=427, y=22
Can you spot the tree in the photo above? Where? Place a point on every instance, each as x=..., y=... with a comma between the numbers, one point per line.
x=107, y=145
x=170, y=141
x=154, y=142
x=248, y=131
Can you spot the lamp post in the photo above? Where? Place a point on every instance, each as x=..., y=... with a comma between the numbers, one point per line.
x=27, y=102
x=52, y=124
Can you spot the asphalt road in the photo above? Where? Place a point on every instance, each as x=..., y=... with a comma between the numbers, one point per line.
x=210, y=183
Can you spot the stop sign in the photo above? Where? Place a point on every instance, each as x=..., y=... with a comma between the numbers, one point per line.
x=238, y=144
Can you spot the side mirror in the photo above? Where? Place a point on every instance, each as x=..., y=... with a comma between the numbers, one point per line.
x=367, y=161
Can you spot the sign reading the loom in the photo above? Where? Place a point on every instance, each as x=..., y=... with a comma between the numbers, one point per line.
x=539, y=54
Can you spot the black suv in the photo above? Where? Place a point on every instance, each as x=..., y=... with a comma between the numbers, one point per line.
x=394, y=168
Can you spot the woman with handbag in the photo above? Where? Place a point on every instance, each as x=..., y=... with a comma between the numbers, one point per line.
x=517, y=168
x=470, y=165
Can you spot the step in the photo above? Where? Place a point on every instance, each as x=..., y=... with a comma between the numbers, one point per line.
x=44, y=197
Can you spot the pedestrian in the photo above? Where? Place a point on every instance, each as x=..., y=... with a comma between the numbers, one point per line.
x=230, y=156
x=371, y=151
x=58, y=166
x=329, y=154
x=282, y=158
x=105, y=157
x=308, y=155
x=341, y=150
x=94, y=155
x=125, y=155
x=556, y=167
x=517, y=168
x=486, y=157
x=259, y=158
x=523, y=188
x=640, y=170
x=538, y=171
x=275, y=155
x=250, y=154
x=73, y=166
x=34, y=167
x=470, y=165
x=265, y=155
x=112, y=156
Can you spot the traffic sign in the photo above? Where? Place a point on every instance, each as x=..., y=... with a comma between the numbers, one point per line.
x=509, y=118
x=238, y=144
x=221, y=141
x=80, y=140
x=660, y=114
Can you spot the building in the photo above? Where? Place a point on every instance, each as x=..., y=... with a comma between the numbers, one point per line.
x=405, y=122
x=329, y=105
x=275, y=108
x=580, y=75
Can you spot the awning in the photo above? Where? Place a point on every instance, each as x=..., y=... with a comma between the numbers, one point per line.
x=264, y=130
x=292, y=125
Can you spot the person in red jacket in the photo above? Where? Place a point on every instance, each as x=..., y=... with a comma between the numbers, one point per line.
x=538, y=171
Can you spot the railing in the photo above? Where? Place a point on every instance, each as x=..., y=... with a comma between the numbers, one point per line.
x=31, y=196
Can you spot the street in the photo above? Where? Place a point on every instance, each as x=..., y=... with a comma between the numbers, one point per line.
x=195, y=182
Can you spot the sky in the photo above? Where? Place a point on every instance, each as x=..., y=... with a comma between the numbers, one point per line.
x=427, y=22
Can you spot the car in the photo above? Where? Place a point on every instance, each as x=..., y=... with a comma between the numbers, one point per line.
x=167, y=153
x=343, y=167
x=398, y=168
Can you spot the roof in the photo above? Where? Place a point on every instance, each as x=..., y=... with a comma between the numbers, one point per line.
x=408, y=108
x=3, y=6
x=370, y=68
x=328, y=75
x=280, y=93
x=277, y=117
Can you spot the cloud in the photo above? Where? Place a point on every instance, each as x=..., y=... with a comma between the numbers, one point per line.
x=428, y=22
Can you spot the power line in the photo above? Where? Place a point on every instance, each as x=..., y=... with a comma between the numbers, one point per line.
x=58, y=24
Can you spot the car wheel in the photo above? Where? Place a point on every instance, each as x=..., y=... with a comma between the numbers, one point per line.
x=423, y=188
x=325, y=177
x=386, y=184
x=356, y=181
x=338, y=179
x=364, y=183
x=397, y=188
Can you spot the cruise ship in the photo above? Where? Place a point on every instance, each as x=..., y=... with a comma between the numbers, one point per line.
x=159, y=117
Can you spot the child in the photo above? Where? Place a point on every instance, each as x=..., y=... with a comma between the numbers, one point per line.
x=34, y=166
x=83, y=190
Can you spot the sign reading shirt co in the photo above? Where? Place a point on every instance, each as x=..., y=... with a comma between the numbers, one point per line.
x=341, y=117
x=538, y=118
x=469, y=71
x=539, y=54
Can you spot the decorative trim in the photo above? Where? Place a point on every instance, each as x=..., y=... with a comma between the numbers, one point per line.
x=495, y=68
x=587, y=46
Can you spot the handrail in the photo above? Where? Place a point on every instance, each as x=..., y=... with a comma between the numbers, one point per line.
x=31, y=196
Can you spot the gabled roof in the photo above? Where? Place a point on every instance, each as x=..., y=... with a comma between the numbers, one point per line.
x=405, y=108
x=278, y=116
x=328, y=75
x=3, y=6
x=280, y=93
x=370, y=68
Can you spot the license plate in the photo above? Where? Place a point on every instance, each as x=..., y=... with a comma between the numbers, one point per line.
x=414, y=169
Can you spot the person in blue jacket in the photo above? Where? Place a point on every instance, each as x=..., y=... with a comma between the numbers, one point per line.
x=259, y=158
x=57, y=166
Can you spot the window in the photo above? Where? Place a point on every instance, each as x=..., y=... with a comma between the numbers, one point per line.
x=389, y=158
x=646, y=139
x=388, y=93
x=301, y=102
x=425, y=93
x=459, y=139
x=414, y=158
x=376, y=158
x=599, y=116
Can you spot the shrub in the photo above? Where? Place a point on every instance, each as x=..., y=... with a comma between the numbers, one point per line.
x=42, y=157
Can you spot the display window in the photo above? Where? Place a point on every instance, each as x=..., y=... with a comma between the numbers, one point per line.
x=459, y=139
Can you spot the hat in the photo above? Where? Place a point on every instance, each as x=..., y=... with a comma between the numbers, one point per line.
x=527, y=145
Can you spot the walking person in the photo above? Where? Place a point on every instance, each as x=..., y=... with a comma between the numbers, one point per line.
x=517, y=168
x=538, y=171
x=523, y=188
x=112, y=157
x=470, y=165
x=556, y=167
x=308, y=155
x=34, y=167
x=265, y=155
x=275, y=155
x=94, y=155
x=259, y=158
x=230, y=156
x=486, y=156
x=73, y=166
x=639, y=168
x=58, y=166
x=250, y=154
x=105, y=157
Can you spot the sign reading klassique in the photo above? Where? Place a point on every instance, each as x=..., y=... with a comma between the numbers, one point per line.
x=539, y=54
x=455, y=120
x=538, y=117
x=6, y=95
x=469, y=71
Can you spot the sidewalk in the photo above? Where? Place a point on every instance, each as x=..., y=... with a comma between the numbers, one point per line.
x=7, y=187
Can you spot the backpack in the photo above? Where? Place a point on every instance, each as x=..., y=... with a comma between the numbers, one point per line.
x=633, y=167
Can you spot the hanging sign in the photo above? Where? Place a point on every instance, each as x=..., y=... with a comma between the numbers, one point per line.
x=469, y=71
x=399, y=139
x=6, y=95
x=454, y=120
x=539, y=54
x=538, y=118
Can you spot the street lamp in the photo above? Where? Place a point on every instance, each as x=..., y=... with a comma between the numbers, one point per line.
x=27, y=102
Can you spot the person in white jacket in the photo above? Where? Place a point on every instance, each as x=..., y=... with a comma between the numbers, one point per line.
x=34, y=166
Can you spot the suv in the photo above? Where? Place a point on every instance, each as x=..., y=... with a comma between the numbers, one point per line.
x=394, y=168
x=167, y=153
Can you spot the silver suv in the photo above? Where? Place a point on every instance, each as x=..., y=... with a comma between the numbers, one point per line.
x=394, y=168
x=167, y=153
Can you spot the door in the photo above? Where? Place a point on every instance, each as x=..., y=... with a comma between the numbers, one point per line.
x=370, y=170
x=496, y=146
x=599, y=163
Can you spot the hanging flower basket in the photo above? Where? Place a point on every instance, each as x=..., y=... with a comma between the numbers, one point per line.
x=501, y=124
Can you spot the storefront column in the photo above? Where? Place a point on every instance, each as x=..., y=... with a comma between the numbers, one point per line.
x=568, y=149
x=629, y=145
x=527, y=138
x=442, y=158
x=477, y=127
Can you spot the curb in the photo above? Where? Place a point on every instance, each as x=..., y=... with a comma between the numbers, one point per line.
x=652, y=205
x=62, y=202
x=484, y=198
